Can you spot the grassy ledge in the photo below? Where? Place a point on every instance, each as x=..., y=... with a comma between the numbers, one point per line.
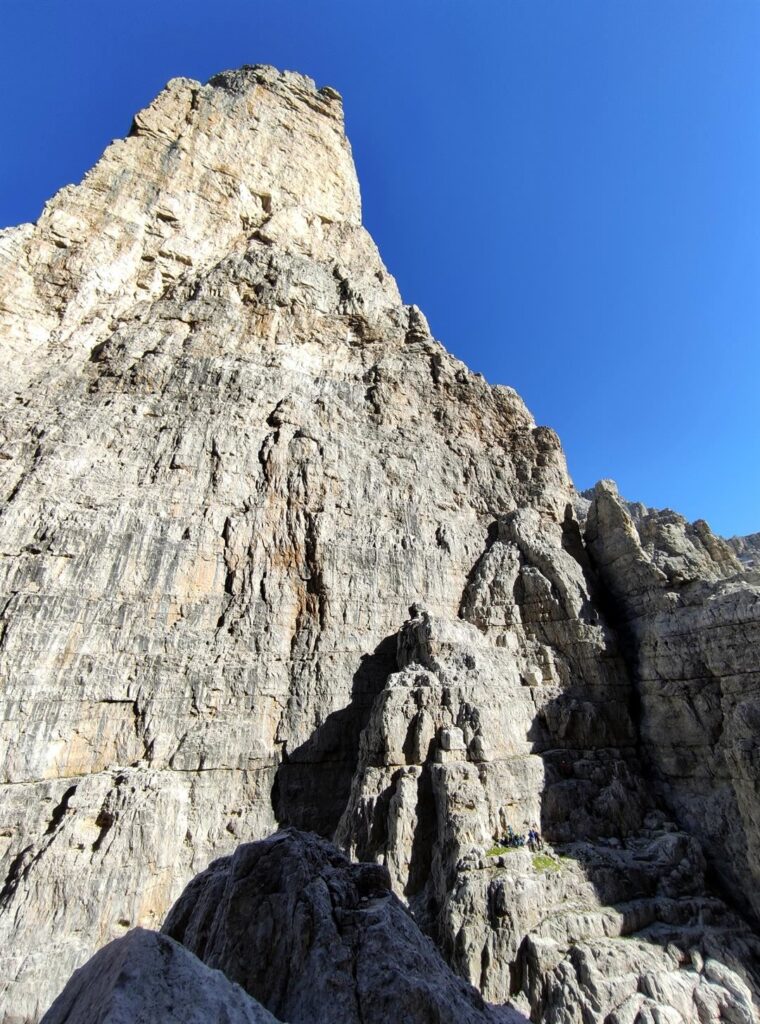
x=497, y=850
x=542, y=862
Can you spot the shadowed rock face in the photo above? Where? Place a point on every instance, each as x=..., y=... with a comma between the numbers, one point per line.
x=291, y=920
x=147, y=977
x=231, y=460
x=318, y=939
x=691, y=619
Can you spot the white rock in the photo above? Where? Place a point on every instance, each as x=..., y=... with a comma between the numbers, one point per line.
x=533, y=676
x=452, y=739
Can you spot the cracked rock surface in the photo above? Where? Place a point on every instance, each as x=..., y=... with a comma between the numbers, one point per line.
x=270, y=556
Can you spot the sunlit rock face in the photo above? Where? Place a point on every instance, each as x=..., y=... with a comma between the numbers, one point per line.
x=271, y=556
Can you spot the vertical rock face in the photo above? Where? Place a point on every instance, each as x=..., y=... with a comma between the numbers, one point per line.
x=270, y=556
x=692, y=622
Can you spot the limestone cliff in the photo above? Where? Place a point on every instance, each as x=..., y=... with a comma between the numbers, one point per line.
x=271, y=556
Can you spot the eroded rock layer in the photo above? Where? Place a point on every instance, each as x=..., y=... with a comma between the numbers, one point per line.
x=271, y=556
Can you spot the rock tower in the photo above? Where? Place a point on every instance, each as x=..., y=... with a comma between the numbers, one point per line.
x=271, y=558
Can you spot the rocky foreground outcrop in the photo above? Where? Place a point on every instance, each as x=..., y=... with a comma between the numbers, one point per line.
x=271, y=557
x=289, y=923
x=146, y=977
x=316, y=938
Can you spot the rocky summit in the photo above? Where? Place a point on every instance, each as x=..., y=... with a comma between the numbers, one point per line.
x=285, y=587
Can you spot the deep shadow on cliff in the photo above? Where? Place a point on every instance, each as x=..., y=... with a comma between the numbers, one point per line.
x=313, y=782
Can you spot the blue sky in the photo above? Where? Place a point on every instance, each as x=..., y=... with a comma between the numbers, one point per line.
x=569, y=190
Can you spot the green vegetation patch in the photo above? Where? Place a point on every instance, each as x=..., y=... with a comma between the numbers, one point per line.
x=542, y=862
x=496, y=851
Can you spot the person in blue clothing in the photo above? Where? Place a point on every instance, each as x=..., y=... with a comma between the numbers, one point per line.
x=535, y=842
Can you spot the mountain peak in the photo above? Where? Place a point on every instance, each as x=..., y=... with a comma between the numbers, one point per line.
x=204, y=168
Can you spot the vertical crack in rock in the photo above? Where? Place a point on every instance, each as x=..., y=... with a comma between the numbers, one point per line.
x=16, y=870
x=60, y=810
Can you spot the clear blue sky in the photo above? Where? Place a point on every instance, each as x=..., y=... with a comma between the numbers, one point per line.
x=570, y=190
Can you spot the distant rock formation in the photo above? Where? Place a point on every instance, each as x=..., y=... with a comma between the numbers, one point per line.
x=272, y=557
x=747, y=550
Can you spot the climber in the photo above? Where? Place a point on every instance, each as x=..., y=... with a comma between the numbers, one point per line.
x=513, y=839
